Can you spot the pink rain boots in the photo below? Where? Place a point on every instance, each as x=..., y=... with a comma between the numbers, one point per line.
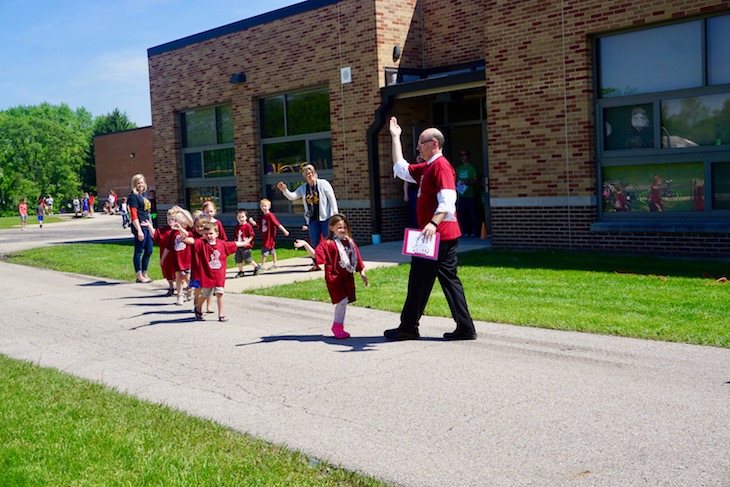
x=339, y=330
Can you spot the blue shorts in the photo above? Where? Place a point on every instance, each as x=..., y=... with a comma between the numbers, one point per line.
x=194, y=283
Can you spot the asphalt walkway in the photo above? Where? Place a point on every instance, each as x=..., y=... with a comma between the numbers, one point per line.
x=517, y=407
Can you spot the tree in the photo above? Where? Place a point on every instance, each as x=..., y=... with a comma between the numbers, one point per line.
x=42, y=149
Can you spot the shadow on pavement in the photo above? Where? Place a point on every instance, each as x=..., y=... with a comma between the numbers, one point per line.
x=354, y=344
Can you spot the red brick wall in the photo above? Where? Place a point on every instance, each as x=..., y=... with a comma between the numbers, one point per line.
x=114, y=165
x=540, y=117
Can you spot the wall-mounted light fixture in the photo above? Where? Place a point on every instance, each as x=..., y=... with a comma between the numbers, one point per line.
x=396, y=53
x=238, y=78
x=131, y=154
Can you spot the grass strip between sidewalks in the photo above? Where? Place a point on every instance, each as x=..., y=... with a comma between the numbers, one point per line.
x=60, y=430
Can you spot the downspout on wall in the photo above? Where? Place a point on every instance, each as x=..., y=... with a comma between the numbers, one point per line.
x=376, y=204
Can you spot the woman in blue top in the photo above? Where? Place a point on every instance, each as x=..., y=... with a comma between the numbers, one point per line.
x=139, y=207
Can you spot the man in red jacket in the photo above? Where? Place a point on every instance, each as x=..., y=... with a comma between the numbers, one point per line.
x=436, y=212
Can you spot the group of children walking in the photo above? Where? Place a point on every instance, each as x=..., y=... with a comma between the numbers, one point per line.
x=194, y=249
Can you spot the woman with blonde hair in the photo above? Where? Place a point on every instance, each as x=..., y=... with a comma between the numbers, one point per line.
x=139, y=213
x=319, y=202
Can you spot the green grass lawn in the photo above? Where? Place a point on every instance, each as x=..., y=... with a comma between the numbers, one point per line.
x=58, y=430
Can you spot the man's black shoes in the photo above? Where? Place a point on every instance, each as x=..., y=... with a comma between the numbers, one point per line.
x=401, y=334
x=460, y=335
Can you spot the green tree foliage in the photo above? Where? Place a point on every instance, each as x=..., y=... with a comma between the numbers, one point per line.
x=48, y=149
x=42, y=149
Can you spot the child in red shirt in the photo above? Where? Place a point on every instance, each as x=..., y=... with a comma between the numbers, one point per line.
x=160, y=237
x=340, y=257
x=211, y=254
x=268, y=225
x=243, y=255
x=179, y=253
x=210, y=211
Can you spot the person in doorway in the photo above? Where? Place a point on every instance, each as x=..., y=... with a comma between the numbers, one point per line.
x=467, y=183
x=319, y=202
x=436, y=207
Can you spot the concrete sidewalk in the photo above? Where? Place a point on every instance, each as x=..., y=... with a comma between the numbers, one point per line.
x=518, y=407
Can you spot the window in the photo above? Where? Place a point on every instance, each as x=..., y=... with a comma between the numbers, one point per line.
x=209, y=157
x=663, y=105
x=295, y=130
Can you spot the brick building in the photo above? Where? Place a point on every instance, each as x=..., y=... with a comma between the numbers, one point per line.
x=119, y=156
x=592, y=126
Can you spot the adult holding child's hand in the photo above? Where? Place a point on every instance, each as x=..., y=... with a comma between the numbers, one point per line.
x=319, y=202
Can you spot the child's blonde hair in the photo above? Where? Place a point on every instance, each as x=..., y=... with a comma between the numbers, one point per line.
x=334, y=220
x=265, y=200
x=210, y=226
x=184, y=218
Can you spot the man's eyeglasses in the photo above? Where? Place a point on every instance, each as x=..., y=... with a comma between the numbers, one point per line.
x=421, y=142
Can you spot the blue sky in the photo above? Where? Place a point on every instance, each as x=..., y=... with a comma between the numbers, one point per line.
x=94, y=53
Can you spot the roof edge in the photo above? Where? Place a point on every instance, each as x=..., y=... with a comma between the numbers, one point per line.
x=277, y=14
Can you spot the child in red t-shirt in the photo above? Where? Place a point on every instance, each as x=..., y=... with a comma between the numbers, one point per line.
x=243, y=255
x=211, y=254
x=179, y=253
x=210, y=211
x=160, y=237
x=340, y=257
x=268, y=225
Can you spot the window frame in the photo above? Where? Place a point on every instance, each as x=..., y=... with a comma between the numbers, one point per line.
x=657, y=155
x=222, y=184
x=293, y=179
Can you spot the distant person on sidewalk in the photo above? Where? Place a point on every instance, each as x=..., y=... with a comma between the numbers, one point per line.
x=436, y=208
x=23, y=210
x=40, y=210
x=139, y=209
x=319, y=202
x=467, y=184
x=340, y=257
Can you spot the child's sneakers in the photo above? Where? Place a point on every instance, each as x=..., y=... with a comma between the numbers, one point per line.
x=256, y=271
x=179, y=301
x=241, y=274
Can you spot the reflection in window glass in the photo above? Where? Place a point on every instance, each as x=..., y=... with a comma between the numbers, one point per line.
x=718, y=50
x=320, y=153
x=229, y=200
x=653, y=188
x=272, y=117
x=651, y=60
x=279, y=204
x=193, y=165
x=721, y=186
x=219, y=163
x=196, y=196
x=629, y=127
x=199, y=127
x=225, y=124
x=284, y=157
x=308, y=112
x=696, y=121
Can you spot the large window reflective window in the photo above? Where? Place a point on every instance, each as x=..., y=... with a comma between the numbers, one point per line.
x=295, y=130
x=630, y=127
x=209, y=157
x=718, y=50
x=652, y=60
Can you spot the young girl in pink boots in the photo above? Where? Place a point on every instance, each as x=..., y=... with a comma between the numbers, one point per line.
x=340, y=257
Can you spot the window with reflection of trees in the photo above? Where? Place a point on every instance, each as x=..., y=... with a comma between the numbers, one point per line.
x=209, y=157
x=663, y=106
x=295, y=130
